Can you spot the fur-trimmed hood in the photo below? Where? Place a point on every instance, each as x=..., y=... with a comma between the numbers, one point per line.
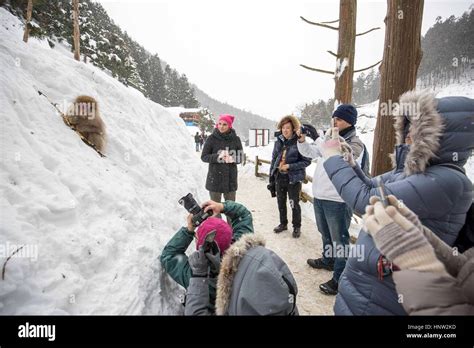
x=290, y=118
x=442, y=130
x=254, y=280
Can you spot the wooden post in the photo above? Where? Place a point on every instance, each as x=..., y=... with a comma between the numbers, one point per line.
x=344, y=73
x=401, y=58
x=75, y=18
x=29, y=12
x=256, y=166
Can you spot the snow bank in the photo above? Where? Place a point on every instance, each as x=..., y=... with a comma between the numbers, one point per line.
x=92, y=228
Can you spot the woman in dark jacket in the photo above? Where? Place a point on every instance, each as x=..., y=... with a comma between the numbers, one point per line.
x=434, y=142
x=287, y=171
x=223, y=151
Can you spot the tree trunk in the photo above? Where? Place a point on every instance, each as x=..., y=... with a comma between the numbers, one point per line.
x=75, y=16
x=29, y=12
x=344, y=73
x=401, y=58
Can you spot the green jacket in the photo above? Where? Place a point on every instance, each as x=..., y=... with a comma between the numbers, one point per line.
x=175, y=261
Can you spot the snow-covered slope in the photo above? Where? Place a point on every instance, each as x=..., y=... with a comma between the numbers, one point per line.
x=91, y=228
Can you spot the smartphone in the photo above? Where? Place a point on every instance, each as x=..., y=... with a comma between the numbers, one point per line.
x=209, y=240
x=381, y=192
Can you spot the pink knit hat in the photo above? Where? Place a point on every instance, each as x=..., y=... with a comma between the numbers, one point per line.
x=223, y=233
x=229, y=119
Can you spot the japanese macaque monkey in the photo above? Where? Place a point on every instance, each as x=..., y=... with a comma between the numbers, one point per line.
x=84, y=116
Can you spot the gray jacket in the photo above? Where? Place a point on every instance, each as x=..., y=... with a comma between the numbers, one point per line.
x=443, y=136
x=252, y=280
x=429, y=293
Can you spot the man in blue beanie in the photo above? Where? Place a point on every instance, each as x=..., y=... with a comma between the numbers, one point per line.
x=333, y=215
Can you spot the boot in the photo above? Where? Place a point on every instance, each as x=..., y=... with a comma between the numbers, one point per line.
x=329, y=288
x=296, y=232
x=320, y=264
x=280, y=228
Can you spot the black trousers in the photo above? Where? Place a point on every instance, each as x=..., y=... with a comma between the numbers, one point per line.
x=283, y=189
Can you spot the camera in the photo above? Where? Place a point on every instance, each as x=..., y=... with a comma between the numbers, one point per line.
x=306, y=129
x=190, y=204
x=309, y=131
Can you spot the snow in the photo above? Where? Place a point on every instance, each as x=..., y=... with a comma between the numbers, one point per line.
x=92, y=228
x=341, y=65
x=88, y=231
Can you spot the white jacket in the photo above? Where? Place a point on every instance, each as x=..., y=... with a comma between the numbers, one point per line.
x=322, y=186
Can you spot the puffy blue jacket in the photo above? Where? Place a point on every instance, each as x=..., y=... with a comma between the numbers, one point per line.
x=427, y=182
x=297, y=163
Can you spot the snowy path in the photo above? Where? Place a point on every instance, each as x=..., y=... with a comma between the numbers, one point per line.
x=253, y=194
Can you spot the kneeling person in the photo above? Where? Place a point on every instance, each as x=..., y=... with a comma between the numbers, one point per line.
x=176, y=262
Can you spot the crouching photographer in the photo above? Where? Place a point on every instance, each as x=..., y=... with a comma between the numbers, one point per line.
x=202, y=222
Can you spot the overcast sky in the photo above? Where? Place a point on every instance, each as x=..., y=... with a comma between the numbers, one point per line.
x=247, y=52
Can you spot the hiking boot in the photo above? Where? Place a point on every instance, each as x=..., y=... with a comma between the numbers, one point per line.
x=329, y=288
x=280, y=228
x=296, y=232
x=320, y=264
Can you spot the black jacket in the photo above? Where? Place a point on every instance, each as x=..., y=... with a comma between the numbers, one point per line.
x=297, y=162
x=222, y=177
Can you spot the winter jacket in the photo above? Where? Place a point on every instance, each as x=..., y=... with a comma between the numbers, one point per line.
x=297, y=162
x=252, y=280
x=322, y=186
x=175, y=261
x=429, y=293
x=222, y=177
x=443, y=135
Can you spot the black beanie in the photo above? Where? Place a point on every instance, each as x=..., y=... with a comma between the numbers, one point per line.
x=346, y=112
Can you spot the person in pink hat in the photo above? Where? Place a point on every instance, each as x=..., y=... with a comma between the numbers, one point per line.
x=223, y=151
x=174, y=259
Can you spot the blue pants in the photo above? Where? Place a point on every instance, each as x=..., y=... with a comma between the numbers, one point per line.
x=333, y=220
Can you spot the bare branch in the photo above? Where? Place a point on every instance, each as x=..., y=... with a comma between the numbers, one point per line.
x=368, y=67
x=319, y=24
x=8, y=259
x=368, y=31
x=337, y=20
x=332, y=54
x=318, y=70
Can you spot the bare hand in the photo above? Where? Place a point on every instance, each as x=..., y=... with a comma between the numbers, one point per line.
x=216, y=207
x=229, y=159
x=285, y=167
x=301, y=136
x=190, y=224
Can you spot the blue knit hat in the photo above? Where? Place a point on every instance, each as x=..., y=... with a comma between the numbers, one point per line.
x=346, y=112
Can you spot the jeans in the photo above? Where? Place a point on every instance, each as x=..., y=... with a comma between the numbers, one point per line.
x=197, y=147
x=228, y=196
x=283, y=189
x=333, y=220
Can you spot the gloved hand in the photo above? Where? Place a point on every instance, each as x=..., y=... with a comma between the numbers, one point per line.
x=198, y=263
x=332, y=144
x=401, y=207
x=399, y=239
